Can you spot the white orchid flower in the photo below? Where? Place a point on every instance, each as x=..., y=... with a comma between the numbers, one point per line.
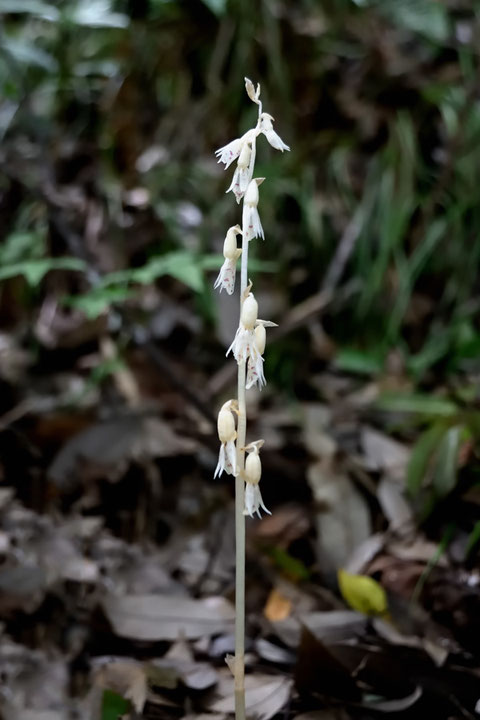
x=240, y=177
x=244, y=339
x=266, y=128
x=227, y=456
x=228, y=153
x=226, y=276
x=252, y=475
x=250, y=217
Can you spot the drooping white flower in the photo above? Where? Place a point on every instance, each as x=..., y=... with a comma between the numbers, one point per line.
x=244, y=339
x=255, y=372
x=226, y=276
x=255, y=361
x=250, y=217
x=252, y=475
x=240, y=177
x=266, y=128
x=230, y=152
x=227, y=456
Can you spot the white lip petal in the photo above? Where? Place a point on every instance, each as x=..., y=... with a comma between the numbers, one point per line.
x=275, y=140
x=221, y=461
x=254, y=501
x=226, y=276
x=230, y=152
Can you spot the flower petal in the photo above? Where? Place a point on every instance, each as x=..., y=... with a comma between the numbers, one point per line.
x=221, y=461
x=226, y=276
x=275, y=140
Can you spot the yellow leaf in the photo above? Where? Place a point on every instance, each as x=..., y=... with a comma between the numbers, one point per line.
x=363, y=593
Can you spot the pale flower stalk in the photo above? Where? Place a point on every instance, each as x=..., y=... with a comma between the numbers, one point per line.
x=247, y=347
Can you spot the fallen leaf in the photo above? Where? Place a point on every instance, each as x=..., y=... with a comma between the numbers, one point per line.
x=335, y=625
x=265, y=695
x=125, y=677
x=342, y=517
x=11, y=712
x=278, y=607
x=273, y=653
x=394, y=505
x=383, y=453
x=162, y=617
x=363, y=593
x=395, y=705
x=111, y=445
x=389, y=632
x=364, y=554
x=194, y=675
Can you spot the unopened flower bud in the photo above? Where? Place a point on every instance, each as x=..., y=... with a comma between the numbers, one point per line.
x=249, y=314
x=253, y=468
x=260, y=338
x=226, y=426
x=251, y=196
x=244, y=159
x=230, y=250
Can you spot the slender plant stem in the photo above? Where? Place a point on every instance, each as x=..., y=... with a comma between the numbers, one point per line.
x=240, y=498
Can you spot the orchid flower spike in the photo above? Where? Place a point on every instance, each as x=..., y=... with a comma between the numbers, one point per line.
x=252, y=475
x=226, y=276
x=250, y=217
x=227, y=456
x=266, y=128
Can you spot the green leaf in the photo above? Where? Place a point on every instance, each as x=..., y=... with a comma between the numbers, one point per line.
x=355, y=361
x=421, y=456
x=34, y=270
x=183, y=266
x=113, y=705
x=22, y=246
x=425, y=405
x=95, y=302
x=445, y=477
x=291, y=566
